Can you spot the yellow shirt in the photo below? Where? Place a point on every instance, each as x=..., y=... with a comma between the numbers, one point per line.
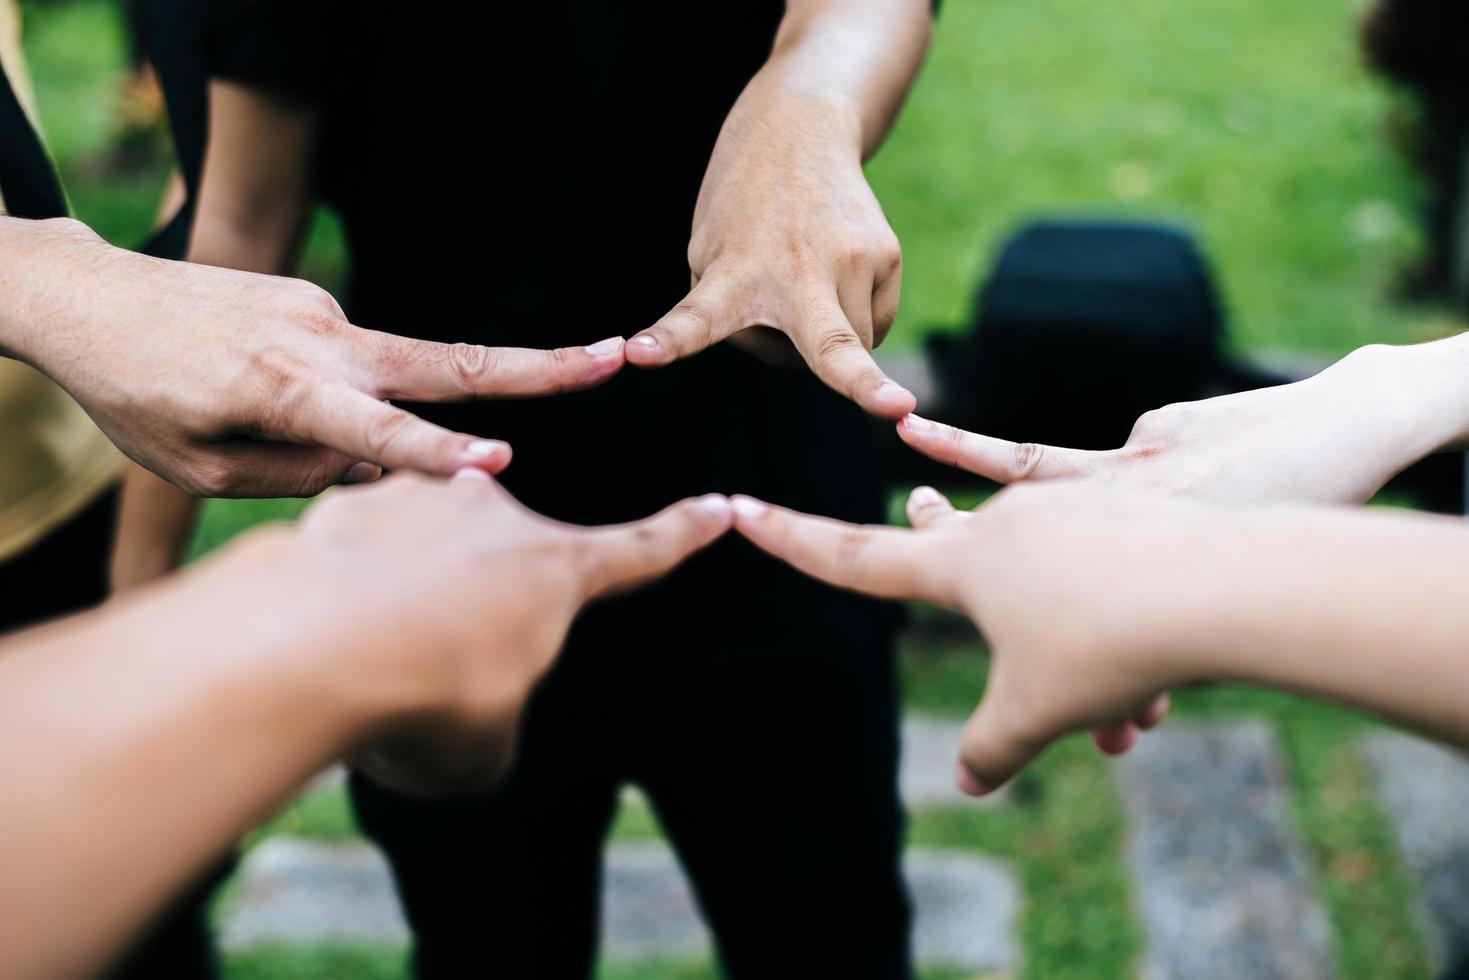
x=53, y=460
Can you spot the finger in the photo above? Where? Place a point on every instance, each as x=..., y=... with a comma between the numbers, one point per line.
x=991, y=749
x=703, y=318
x=421, y=370
x=625, y=555
x=882, y=561
x=345, y=419
x=926, y=507
x=1152, y=716
x=274, y=469
x=363, y=473
x=995, y=459
x=854, y=293
x=1115, y=739
x=885, y=304
x=836, y=355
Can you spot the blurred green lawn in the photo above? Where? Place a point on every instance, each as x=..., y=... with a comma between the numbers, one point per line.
x=1251, y=122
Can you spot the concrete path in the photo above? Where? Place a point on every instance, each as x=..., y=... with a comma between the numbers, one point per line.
x=1424, y=789
x=1223, y=885
x=295, y=891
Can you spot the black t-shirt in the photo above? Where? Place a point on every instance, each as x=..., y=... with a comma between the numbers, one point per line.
x=525, y=174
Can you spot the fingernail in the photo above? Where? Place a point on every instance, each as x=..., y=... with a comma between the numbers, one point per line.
x=604, y=347
x=715, y=503
x=363, y=473
x=747, y=507
x=916, y=423
x=889, y=386
x=470, y=473
x=645, y=342
x=925, y=497
x=968, y=785
x=484, y=448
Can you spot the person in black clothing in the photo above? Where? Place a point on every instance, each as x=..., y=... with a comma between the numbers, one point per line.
x=526, y=175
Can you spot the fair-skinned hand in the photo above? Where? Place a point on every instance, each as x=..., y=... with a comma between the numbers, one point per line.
x=1041, y=571
x=479, y=613
x=230, y=383
x=1337, y=437
x=789, y=247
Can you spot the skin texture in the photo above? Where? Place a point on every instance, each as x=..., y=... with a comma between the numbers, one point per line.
x=234, y=384
x=409, y=622
x=1337, y=437
x=790, y=247
x=1094, y=599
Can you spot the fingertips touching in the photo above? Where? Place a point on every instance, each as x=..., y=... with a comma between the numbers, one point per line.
x=926, y=506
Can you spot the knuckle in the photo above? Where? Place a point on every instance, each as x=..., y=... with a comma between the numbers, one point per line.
x=384, y=431
x=1027, y=459
x=835, y=340
x=212, y=478
x=472, y=364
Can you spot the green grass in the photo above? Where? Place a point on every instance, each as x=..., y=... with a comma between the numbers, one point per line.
x=1252, y=123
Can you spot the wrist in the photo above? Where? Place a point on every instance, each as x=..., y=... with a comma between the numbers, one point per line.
x=317, y=646
x=778, y=103
x=37, y=279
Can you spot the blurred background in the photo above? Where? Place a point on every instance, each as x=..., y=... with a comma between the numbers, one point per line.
x=1273, y=836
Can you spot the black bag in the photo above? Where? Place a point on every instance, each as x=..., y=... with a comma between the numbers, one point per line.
x=1082, y=327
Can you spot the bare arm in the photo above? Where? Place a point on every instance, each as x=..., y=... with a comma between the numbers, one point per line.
x=787, y=234
x=253, y=204
x=1336, y=437
x=1094, y=600
x=139, y=740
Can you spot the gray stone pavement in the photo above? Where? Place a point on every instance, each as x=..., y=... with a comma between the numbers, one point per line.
x=1424, y=789
x=294, y=891
x=1223, y=884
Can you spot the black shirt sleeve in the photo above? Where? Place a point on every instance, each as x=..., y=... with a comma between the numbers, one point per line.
x=284, y=47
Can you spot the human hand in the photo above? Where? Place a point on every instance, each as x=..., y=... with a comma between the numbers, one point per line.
x=1337, y=437
x=458, y=599
x=230, y=383
x=1082, y=593
x=789, y=246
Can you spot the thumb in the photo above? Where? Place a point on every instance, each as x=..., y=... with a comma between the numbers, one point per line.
x=994, y=746
x=625, y=555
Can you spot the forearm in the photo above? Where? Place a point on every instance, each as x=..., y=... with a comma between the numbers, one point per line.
x=1403, y=403
x=154, y=522
x=46, y=265
x=1363, y=608
x=848, y=62
x=140, y=740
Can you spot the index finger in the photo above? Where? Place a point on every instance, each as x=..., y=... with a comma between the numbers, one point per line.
x=889, y=562
x=995, y=459
x=837, y=356
x=422, y=370
x=625, y=555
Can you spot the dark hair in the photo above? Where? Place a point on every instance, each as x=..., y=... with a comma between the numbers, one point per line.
x=1423, y=47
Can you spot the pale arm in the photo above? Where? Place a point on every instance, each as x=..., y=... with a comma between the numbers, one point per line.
x=1337, y=437
x=1094, y=600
